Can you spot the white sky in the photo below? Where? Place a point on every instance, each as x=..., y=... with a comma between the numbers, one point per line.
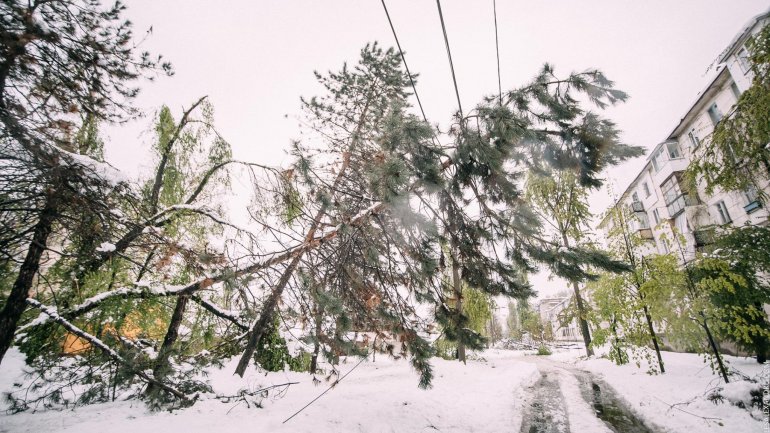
x=255, y=58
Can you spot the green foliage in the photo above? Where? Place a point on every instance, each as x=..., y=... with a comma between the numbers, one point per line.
x=272, y=353
x=300, y=362
x=478, y=306
x=543, y=350
x=445, y=349
x=734, y=274
x=532, y=323
x=513, y=321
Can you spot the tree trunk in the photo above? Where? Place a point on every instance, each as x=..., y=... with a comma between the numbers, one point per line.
x=16, y=302
x=266, y=317
x=714, y=348
x=582, y=320
x=653, y=335
x=580, y=307
x=761, y=353
x=317, y=343
x=161, y=368
x=614, y=329
x=458, y=292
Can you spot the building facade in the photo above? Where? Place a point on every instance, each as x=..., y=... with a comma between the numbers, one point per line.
x=660, y=203
x=554, y=314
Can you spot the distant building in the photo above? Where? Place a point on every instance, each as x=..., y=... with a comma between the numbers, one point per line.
x=553, y=313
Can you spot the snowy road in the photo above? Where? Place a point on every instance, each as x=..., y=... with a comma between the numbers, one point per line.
x=565, y=399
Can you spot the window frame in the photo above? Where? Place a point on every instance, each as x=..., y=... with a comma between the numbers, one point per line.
x=694, y=138
x=715, y=114
x=742, y=56
x=724, y=214
x=676, y=148
x=646, y=189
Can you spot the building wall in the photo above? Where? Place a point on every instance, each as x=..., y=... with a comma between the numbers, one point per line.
x=551, y=310
x=688, y=140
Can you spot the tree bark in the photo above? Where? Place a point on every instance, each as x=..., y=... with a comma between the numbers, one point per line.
x=580, y=307
x=458, y=292
x=653, y=334
x=614, y=329
x=16, y=302
x=582, y=320
x=161, y=368
x=318, y=319
x=714, y=348
x=266, y=317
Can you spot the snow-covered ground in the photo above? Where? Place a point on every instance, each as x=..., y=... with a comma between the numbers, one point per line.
x=379, y=396
x=493, y=394
x=677, y=400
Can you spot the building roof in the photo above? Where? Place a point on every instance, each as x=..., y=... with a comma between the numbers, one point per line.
x=741, y=36
x=703, y=96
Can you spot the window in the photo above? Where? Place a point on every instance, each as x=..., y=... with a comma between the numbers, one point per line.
x=724, y=216
x=673, y=150
x=743, y=60
x=656, y=216
x=644, y=223
x=658, y=160
x=635, y=197
x=693, y=139
x=646, y=189
x=715, y=114
x=681, y=223
x=736, y=90
x=671, y=189
x=751, y=194
x=752, y=200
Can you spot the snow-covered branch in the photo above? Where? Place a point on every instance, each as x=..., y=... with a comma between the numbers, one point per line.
x=99, y=344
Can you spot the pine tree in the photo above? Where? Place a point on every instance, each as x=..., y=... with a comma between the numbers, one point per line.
x=64, y=65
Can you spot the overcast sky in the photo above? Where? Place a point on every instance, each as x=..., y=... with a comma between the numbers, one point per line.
x=255, y=58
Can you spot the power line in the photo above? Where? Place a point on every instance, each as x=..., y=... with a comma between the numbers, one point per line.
x=364, y=358
x=449, y=54
x=497, y=50
x=403, y=59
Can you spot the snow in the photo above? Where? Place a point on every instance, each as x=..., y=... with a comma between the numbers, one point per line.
x=105, y=247
x=377, y=396
x=580, y=414
x=677, y=400
x=102, y=170
x=489, y=394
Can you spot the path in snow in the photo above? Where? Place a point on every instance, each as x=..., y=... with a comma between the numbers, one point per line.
x=566, y=398
x=544, y=407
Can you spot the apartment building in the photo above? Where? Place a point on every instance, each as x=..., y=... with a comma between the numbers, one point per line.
x=553, y=313
x=657, y=198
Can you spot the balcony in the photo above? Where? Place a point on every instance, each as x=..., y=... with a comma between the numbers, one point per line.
x=703, y=237
x=677, y=206
x=646, y=233
x=753, y=206
x=668, y=168
x=698, y=215
x=637, y=206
